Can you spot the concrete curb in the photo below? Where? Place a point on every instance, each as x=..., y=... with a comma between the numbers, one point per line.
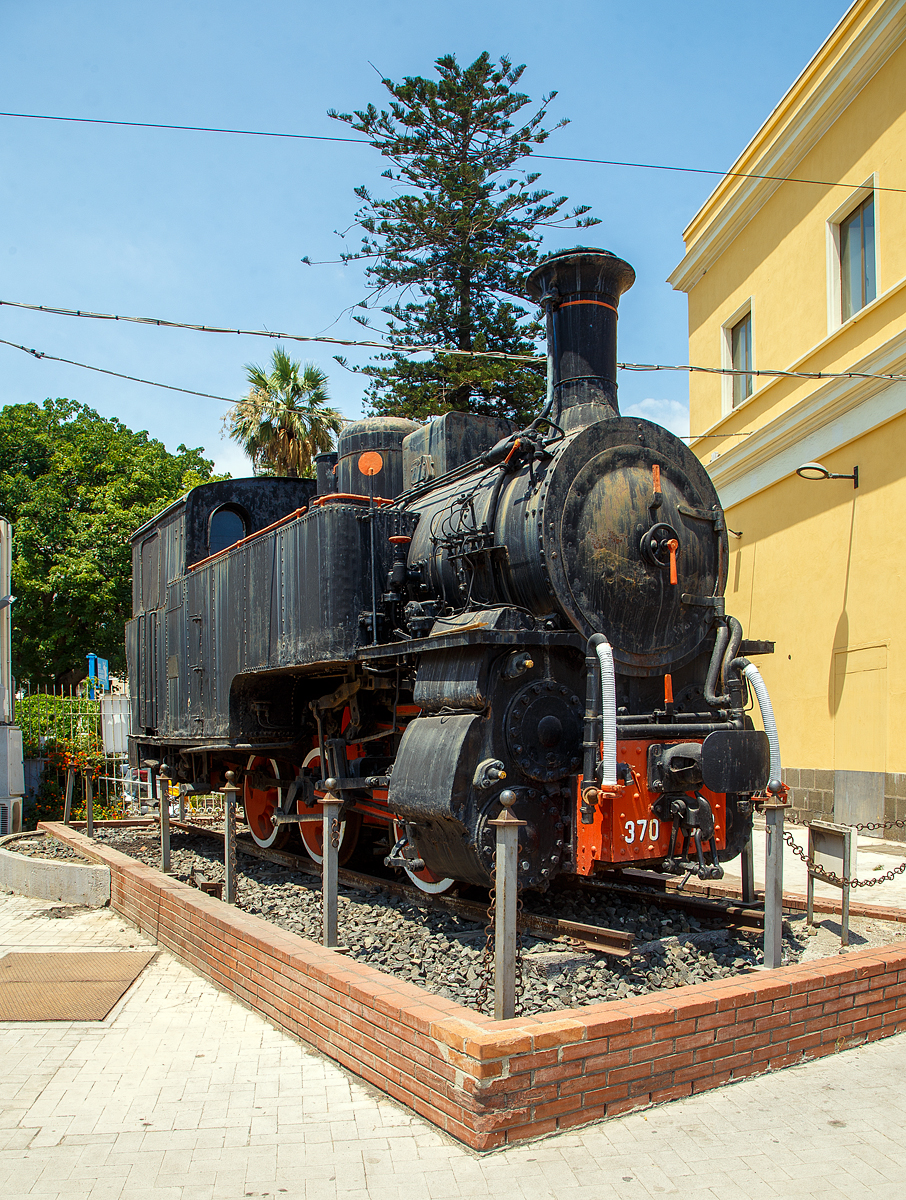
x=50, y=879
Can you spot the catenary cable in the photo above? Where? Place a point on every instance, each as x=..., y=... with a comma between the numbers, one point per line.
x=314, y=137
x=103, y=371
x=502, y=356
x=40, y=354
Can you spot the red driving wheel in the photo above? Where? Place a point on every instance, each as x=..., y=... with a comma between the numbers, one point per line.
x=312, y=832
x=425, y=880
x=262, y=802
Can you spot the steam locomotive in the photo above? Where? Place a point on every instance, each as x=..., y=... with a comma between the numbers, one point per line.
x=456, y=610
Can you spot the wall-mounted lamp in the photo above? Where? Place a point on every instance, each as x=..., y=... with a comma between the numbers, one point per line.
x=816, y=470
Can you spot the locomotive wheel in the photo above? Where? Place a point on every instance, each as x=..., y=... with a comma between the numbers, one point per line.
x=425, y=879
x=261, y=804
x=312, y=833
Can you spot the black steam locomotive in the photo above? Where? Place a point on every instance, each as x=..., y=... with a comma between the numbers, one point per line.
x=457, y=609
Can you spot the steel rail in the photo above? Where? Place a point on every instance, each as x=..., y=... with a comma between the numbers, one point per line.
x=739, y=916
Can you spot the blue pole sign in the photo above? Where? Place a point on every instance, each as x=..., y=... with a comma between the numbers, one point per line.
x=98, y=676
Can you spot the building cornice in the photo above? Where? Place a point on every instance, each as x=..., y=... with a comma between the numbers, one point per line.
x=859, y=46
x=830, y=417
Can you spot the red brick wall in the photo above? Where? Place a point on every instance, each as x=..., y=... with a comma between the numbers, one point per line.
x=490, y=1083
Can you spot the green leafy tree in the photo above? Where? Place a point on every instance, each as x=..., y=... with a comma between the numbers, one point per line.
x=457, y=238
x=75, y=486
x=285, y=420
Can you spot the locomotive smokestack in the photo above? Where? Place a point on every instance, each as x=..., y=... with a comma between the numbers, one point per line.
x=580, y=290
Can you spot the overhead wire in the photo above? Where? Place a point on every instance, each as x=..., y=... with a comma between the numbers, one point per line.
x=411, y=349
x=404, y=348
x=313, y=137
x=117, y=374
x=273, y=335
x=41, y=354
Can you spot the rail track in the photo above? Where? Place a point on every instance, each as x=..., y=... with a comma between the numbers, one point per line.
x=615, y=943
x=747, y=918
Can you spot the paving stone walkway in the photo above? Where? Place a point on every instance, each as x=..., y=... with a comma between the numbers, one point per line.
x=183, y=1094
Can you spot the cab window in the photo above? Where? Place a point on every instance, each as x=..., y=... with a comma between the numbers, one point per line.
x=226, y=527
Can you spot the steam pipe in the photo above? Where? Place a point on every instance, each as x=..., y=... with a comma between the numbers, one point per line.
x=664, y=729
x=726, y=646
x=721, y=639
x=732, y=682
x=551, y=356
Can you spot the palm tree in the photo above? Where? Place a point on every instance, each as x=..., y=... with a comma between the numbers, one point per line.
x=285, y=419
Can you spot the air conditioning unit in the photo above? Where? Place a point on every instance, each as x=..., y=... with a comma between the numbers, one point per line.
x=10, y=815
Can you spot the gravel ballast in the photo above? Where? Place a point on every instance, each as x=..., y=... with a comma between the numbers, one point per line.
x=443, y=952
x=39, y=845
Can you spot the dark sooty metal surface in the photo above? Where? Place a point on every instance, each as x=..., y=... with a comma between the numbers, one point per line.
x=66, y=987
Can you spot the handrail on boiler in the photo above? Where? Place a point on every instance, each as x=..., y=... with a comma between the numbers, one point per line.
x=329, y=497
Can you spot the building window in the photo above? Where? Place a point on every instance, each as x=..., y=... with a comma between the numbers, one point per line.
x=740, y=336
x=858, y=282
x=226, y=528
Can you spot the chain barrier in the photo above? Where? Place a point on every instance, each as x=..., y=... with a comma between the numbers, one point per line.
x=486, y=963
x=832, y=876
x=867, y=826
x=520, y=985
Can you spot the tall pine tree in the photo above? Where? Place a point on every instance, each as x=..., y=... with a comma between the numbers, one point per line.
x=455, y=242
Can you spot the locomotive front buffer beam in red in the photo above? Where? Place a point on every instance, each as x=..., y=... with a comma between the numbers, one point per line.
x=635, y=824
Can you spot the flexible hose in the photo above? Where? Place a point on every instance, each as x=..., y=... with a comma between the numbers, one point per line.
x=608, y=715
x=759, y=687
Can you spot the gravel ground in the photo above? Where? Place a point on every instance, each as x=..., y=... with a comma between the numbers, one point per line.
x=442, y=952
x=39, y=845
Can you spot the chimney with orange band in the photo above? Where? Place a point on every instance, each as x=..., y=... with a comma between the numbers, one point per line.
x=580, y=291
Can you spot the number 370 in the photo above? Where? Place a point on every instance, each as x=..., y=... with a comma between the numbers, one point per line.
x=652, y=827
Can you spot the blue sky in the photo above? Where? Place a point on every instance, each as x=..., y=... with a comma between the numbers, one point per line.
x=210, y=228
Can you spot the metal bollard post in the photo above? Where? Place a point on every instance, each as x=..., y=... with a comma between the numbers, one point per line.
x=506, y=898
x=152, y=764
x=230, y=792
x=747, y=862
x=89, y=805
x=164, y=793
x=330, y=864
x=773, y=883
x=67, y=803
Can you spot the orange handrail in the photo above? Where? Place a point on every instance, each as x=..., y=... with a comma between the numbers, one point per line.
x=319, y=500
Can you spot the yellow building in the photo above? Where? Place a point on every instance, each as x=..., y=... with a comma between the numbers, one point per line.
x=811, y=277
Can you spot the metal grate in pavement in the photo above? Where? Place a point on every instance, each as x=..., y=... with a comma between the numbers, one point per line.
x=66, y=987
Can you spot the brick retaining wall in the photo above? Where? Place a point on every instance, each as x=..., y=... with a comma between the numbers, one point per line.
x=494, y=1083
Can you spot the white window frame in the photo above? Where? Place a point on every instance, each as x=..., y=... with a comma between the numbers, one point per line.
x=726, y=357
x=834, y=265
